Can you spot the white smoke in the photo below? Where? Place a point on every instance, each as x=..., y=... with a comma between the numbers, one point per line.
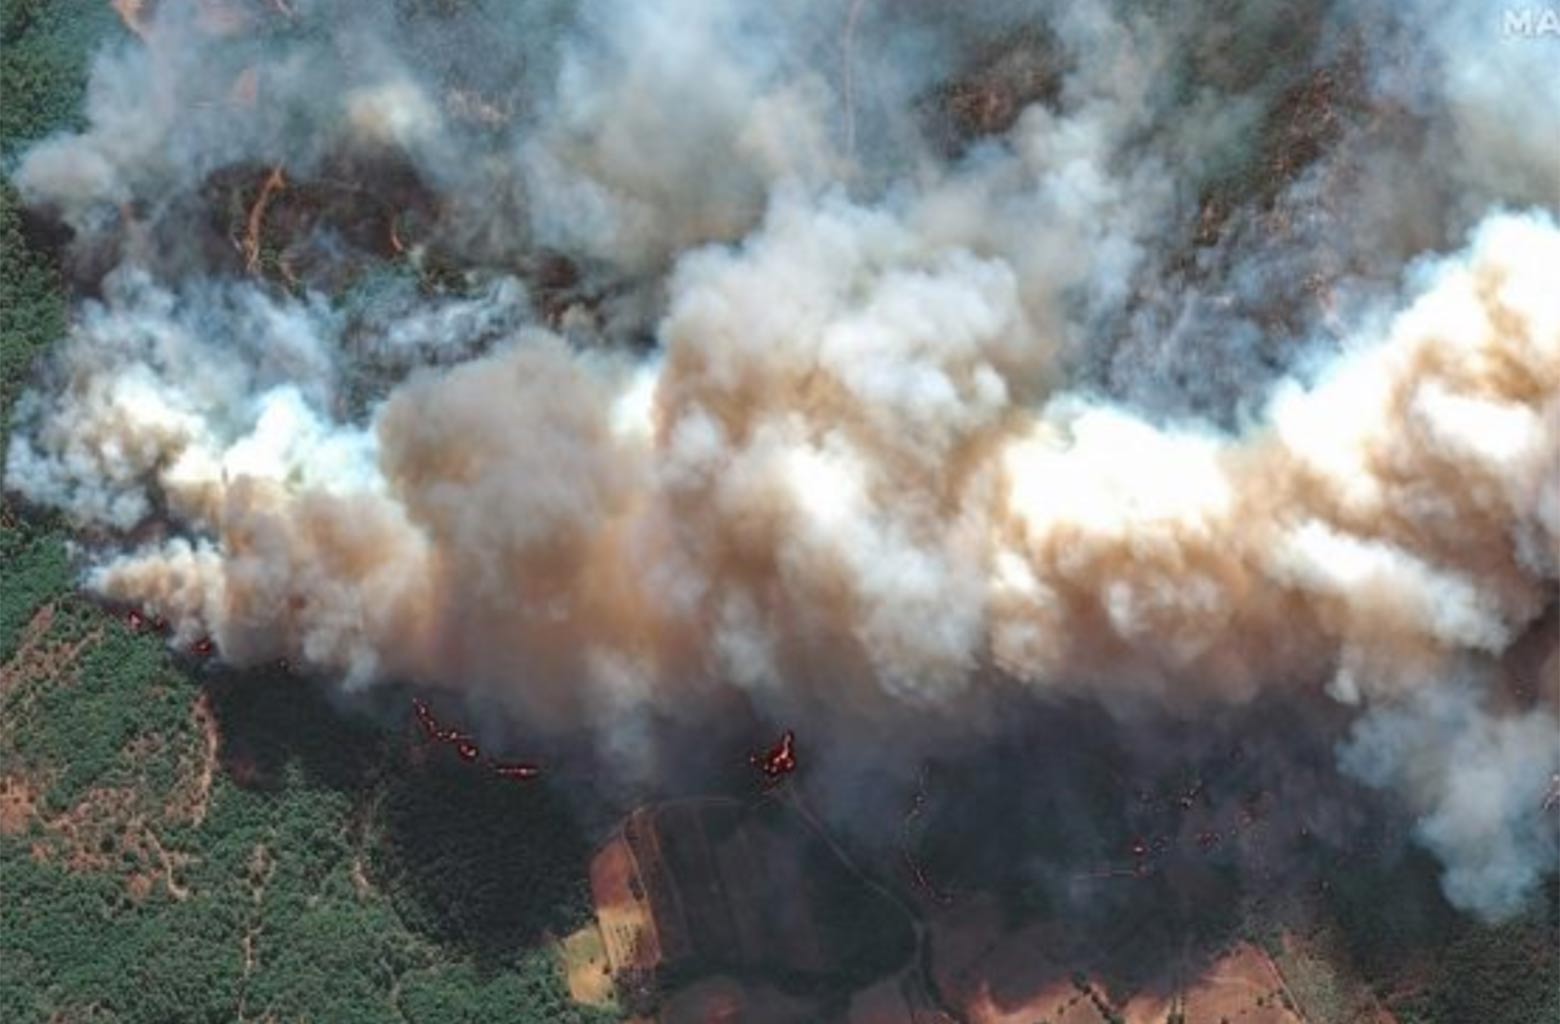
x=859, y=475
x=1476, y=779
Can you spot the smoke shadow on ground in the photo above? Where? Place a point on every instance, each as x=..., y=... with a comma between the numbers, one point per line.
x=478, y=862
x=1161, y=841
x=1083, y=853
x=276, y=729
x=482, y=865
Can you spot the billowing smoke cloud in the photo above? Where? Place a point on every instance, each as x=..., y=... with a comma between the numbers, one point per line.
x=1128, y=379
x=1475, y=778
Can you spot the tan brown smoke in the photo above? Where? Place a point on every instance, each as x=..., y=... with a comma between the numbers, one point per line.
x=867, y=480
x=826, y=481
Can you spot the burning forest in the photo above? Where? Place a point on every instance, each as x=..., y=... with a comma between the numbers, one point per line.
x=1079, y=456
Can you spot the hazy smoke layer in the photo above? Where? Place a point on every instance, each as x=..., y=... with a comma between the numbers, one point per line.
x=1475, y=778
x=1135, y=376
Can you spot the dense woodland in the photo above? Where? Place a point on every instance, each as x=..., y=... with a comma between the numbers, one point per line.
x=307, y=866
x=323, y=876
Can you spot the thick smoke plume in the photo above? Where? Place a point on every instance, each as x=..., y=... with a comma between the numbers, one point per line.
x=1148, y=369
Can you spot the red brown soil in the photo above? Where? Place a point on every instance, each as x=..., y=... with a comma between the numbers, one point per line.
x=105, y=829
x=133, y=13
x=111, y=828
x=37, y=658
x=18, y=803
x=274, y=183
x=997, y=976
x=191, y=798
x=1244, y=987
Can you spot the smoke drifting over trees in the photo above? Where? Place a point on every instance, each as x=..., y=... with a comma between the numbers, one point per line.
x=1140, y=368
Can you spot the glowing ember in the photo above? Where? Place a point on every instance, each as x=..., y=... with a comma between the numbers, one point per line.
x=520, y=772
x=466, y=748
x=778, y=761
x=429, y=724
x=204, y=647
